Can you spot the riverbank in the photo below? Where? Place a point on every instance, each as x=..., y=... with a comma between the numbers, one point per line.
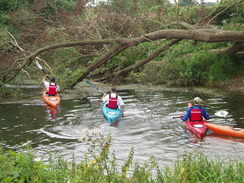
x=235, y=85
x=30, y=91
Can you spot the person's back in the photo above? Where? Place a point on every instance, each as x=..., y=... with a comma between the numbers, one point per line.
x=196, y=112
x=113, y=100
x=52, y=88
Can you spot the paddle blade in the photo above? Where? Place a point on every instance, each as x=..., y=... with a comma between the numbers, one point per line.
x=175, y=117
x=221, y=113
x=92, y=85
x=38, y=65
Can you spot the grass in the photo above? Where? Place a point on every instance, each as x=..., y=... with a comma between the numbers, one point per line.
x=194, y=168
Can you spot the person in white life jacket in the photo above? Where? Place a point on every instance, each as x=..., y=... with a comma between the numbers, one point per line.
x=113, y=100
x=196, y=112
x=52, y=88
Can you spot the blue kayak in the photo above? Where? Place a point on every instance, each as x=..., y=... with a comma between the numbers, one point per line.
x=111, y=115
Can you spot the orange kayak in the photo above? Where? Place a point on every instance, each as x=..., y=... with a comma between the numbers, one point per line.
x=52, y=101
x=226, y=130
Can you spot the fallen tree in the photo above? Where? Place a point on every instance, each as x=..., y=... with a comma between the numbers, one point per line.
x=205, y=35
x=201, y=32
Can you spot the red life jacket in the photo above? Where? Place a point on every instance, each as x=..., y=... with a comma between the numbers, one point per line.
x=52, y=89
x=113, y=102
x=196, y=115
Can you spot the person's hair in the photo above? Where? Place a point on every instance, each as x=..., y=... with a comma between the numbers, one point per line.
x=52, y=79
x=113, y=90
x=197, y=100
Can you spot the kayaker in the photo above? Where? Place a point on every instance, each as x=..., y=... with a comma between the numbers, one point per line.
x=113, y=100
x=196, y=112
x=52, y=88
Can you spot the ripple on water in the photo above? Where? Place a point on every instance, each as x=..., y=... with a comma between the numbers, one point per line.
x=147, y=125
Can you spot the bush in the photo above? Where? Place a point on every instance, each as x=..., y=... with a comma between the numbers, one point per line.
x=189, y=64
x=23, y=166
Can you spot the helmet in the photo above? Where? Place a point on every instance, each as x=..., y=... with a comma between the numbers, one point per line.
x=52, y=79
x=197, y=100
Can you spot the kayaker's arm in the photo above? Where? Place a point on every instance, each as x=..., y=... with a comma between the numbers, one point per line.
x=104, y=97
x=205, y=114
x=44, y=78
x=121, y=102
x=58, y=89
x=187, y=115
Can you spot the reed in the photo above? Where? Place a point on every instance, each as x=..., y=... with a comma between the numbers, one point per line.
x=193, y=168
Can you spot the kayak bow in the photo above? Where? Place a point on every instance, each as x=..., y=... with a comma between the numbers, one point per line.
x=111, y=115
x=226, y=130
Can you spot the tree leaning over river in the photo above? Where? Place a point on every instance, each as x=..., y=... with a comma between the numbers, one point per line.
x=157, y=25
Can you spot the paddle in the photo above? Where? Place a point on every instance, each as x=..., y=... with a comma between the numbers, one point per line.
x=218, y=114
x=221, y=113
x=94, y=86
x=175, y=117
x=41, y=68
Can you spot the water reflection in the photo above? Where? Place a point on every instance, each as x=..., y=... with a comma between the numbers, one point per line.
x=52, y=111
x=147, y=125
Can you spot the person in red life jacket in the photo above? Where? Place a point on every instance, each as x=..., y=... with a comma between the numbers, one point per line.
x=52, y=88
x=113, y=100
x=196, y=112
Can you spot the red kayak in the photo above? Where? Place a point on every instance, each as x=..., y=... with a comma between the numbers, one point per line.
x=198, y=128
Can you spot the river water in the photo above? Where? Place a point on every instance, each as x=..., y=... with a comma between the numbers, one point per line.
x=147, y=125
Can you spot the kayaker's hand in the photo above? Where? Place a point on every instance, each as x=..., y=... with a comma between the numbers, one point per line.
x=44, y=77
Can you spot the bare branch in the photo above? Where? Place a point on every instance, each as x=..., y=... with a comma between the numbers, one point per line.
x=141, y=63
x=99, y=62
x=206, y=35
x=226, y=8
x=26, y=73
x=236, y=47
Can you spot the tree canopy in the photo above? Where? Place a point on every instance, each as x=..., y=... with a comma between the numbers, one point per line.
x=117, y=40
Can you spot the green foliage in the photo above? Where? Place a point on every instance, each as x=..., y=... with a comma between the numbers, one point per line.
x=14, y=93
x=128, y=57
x=194, y=68
x=4, y=19
x=74, y=76
x=66, y=5
x=8, y=6
x=190, y=64
x=231, y=18
x=4, y=39
x=156, y=73
x=198, y=168
x=54, y=6
x=221, y=69
x=35, y=24
x=23, y=166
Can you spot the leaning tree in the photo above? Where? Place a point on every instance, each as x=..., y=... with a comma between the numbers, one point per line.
x=204, y=30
